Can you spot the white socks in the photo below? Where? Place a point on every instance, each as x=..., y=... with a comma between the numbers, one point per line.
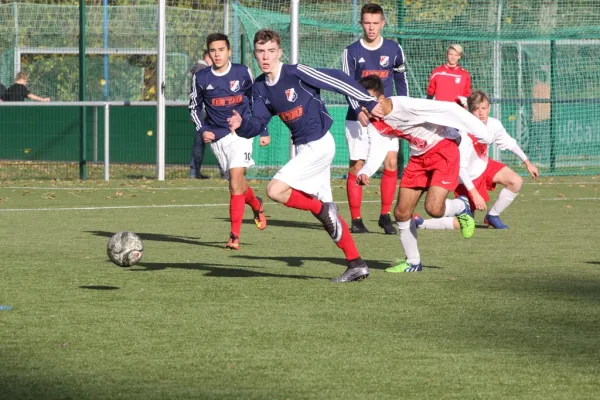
x=408, y=240
x=438, y=223
x=454, y=207
x=504, y=199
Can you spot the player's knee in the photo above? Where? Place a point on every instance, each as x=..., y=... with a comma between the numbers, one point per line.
x=356, y=165
x=401, y=215
x=435, y=210
x=516, y=183
x=276, y=192
x=391, y=162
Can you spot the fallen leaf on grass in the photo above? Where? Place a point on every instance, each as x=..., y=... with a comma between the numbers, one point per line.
x=569, y=206
x=118, y=194
x=63, y=345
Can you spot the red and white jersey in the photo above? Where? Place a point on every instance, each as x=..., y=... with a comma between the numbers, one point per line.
x=474, y=155
x=446, y=83
x=423, y=123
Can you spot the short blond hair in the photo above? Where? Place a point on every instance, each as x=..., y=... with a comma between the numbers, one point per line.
x=21, y=75
x=456, y=47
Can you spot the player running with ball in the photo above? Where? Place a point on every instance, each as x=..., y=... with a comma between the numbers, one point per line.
x=292, y=92
x=222, y=89
x=479, y=174
x=433, y=165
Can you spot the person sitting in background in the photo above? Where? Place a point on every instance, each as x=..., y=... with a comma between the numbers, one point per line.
x=19, y=92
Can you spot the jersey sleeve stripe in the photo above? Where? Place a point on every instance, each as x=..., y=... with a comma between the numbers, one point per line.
x=341, y=85
x=194, y=104
x=346, y=69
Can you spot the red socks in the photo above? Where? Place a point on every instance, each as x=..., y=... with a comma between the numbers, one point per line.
x=303, y=201
x=389, y=182
x=346, y=243
x=355, y=192
x=251, y=199
x=236, y=212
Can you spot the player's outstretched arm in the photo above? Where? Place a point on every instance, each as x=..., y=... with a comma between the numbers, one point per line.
x=532, y=169
x=337, y=81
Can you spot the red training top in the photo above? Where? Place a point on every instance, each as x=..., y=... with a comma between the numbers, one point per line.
x=446, y=83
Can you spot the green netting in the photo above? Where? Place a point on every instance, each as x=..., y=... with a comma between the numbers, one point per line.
x=44, y=41
x=511, y=47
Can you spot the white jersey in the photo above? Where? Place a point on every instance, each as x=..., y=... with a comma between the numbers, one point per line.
x=474, y=155
x=423, y=123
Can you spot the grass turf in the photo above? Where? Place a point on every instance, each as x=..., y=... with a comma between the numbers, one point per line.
x=505, y=314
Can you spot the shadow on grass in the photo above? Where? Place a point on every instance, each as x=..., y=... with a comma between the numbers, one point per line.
x=164, y=238
x=593, y=262
x=282, y=223
x=218, y=270
x=99, y=287
x=299, y=261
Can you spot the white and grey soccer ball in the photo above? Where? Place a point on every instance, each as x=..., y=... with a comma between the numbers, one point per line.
x=125, y=249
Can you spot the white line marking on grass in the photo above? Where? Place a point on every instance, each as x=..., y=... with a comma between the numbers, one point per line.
x=561, y=183
x=111, y=207
x=92, y=208
x=116, y=188
x=573, y=199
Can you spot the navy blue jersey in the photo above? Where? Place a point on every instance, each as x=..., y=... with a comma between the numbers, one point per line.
x=295, y=97
x=220, y=94
x=386, y=61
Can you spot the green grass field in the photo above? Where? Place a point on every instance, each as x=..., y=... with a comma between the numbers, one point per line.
x=506, y=314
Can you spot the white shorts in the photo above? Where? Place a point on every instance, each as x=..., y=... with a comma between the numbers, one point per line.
x=310, y=170
x=233, y=151
x=358, y=141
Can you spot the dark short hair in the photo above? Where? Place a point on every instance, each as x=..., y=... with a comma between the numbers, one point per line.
x=475, y=99
x=372, y=82
x=371, y=8
x=267, y=35
x=206, y=53
x=215, y=37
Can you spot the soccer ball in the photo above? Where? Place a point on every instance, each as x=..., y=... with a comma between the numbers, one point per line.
x=125, y=249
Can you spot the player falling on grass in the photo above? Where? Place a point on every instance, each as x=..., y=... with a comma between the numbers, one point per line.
x=223, y=89
x=479, y=174
x=372, y=55
x=433, y=165
x=292, y=92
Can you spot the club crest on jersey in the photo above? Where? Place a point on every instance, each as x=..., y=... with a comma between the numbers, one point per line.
x=457, y=80
x=291, y=95
x=384, y=61
x=234, y=86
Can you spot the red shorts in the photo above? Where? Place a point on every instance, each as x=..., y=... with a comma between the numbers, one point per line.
x=438, y=167
x=483, y=184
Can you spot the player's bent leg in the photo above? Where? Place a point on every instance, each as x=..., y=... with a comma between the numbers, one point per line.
x=407, y=201
x=513, y=183
x=444, y=223
x=435, y=201
x=279, y=191
x=389, y=183
x=355, y=192
x=437, y=205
